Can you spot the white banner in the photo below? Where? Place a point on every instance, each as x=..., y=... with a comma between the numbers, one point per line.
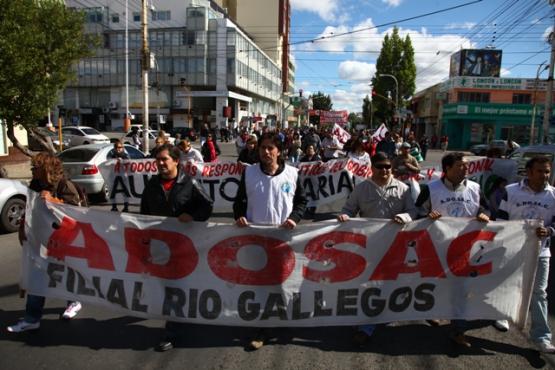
x=326, y=273
x=324, y=182
x=379, y=135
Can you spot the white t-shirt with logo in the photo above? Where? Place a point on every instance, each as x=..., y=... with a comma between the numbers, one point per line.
x=525, y=204
x=464, y=203
x=270, y=198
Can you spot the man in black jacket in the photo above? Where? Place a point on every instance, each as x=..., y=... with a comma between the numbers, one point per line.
x=174, y=194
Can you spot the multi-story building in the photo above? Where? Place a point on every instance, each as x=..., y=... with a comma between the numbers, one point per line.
x=206, y=67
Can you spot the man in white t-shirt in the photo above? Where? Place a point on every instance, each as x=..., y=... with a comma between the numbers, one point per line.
x=271, y=193
x=534, y=198
x=453, y=196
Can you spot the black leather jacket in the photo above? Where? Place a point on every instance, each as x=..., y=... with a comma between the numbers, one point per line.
x=186, y=196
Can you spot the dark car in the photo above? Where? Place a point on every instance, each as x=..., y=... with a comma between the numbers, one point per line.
x=185, y=132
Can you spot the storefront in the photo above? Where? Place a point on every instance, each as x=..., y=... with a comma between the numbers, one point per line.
x=473, y=123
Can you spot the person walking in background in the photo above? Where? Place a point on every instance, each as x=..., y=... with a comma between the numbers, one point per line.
x=119, y=152
x=210, y=149
x=250, y=153
x=188, y=153
x=424, y=146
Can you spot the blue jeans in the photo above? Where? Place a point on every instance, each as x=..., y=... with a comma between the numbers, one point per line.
x=539, y=330
x=33, y=308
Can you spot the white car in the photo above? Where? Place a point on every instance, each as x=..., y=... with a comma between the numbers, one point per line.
x=128, y=138
x=81, y=166
x=83, y=135
x=13, y=195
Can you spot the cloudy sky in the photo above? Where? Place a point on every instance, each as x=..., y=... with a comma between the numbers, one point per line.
x=342, y=65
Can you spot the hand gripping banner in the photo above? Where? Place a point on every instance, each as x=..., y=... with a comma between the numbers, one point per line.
x=326, y=273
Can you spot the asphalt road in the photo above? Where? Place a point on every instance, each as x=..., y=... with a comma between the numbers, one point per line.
x=99, y=339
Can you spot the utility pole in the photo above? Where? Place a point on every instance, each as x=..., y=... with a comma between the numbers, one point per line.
x=127, y=119
x=145, y=67
x=549, y=93
x=532, y=126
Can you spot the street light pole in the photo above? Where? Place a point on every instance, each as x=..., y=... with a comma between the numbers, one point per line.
x=127, y=119
x=396, y=90
x=540, y=70
x=145, y=67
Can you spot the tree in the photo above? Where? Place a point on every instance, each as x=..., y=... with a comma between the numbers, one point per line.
x=321, y=101
x=40, y=41
x=367, y=111
x=396, y=58
x=354, y=119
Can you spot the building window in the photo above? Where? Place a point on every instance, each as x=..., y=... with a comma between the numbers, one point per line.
x=188, y=37
x=93, y=15
x=161, y=15
x=136, y=16
x=473, y=97
x=115, y=18
x=522, y=98
x=195, y=12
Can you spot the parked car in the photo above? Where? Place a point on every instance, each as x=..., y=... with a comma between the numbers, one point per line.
x=81, y=166
x=185, y=132
x=523, y=154
x=13, y=195
x=151, y=138
x=33, y=144
x=482, y=149
x=83, y=135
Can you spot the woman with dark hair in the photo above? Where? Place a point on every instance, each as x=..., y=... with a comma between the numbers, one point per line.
x=48, y=180
x=210, y=149
x=249, y=154
x=358, y=153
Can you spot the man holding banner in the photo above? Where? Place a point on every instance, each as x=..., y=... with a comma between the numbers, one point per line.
x=381, y=196
x=534, y=198
x=174, y=194
x=271, y=193
x=453, y=196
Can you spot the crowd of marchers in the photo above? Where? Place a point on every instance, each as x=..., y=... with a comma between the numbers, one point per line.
x=270, y=192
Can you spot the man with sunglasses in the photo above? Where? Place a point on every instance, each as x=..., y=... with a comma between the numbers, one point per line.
x=453, y=196
x=381, y=196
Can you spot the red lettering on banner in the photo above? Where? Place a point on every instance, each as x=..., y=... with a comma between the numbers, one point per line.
x=183, y=255
x=95, y=250
x=393, y=262
x=430, y=172
x=348, y=265
x=222, y=259
x=459, y=252
x=116, y=167
x=205, y=170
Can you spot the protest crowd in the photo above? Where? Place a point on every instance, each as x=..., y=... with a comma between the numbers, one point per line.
x=270, y=158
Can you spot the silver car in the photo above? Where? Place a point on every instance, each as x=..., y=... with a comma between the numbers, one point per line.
x=82, y=135
x=12, y=204
x=81, y=166
x=128, y=138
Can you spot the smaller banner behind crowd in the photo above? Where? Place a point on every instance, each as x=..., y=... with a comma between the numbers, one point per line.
x=324, y=183
x=325, y=273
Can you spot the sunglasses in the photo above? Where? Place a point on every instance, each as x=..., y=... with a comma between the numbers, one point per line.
x=382, y=166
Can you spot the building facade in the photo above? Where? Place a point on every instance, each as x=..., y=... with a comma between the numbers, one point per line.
x=472, y=110
x=205, y=68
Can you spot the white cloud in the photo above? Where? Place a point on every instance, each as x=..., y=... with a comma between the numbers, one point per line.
x=432, y=58
x=546, y=33
x=326, y=9
x=356, y=71
x=505, y=72
x=393, y=3
x=462, y=25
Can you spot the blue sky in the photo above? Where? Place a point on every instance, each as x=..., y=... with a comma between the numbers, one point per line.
x=343, y=66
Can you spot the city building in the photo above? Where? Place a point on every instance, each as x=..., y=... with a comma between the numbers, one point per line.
x=476, y=105
x=204, y=68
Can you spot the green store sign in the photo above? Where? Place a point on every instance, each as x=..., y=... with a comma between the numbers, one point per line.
x=488, y=110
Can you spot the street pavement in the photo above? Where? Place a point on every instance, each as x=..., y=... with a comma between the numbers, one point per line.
x=100, y=339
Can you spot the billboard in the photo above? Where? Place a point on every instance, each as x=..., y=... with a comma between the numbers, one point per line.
x=476, y=62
